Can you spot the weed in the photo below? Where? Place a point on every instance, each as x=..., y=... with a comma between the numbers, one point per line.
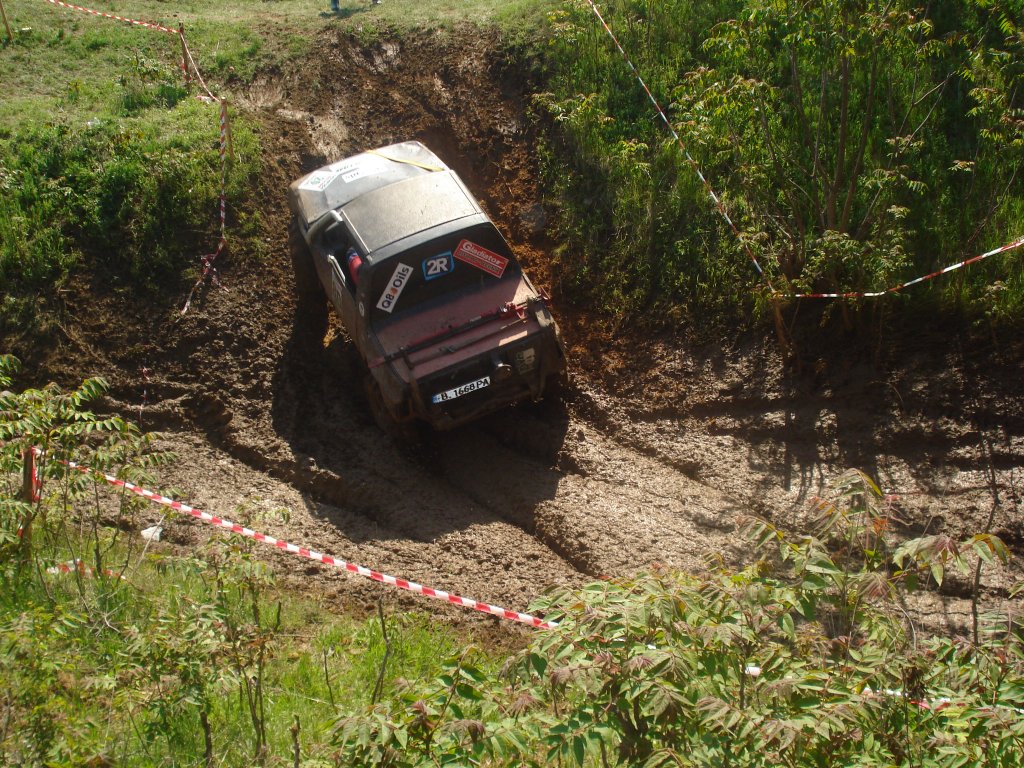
x=803, y=659
x=134, y=655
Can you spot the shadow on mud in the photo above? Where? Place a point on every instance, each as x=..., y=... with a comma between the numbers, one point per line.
x=499, y=468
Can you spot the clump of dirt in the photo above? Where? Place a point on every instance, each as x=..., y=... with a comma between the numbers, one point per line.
x=659, y=444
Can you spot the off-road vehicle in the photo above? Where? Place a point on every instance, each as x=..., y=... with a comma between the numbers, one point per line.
x=430, y=293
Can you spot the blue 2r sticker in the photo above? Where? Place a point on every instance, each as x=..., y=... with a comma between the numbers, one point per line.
x=438, y=266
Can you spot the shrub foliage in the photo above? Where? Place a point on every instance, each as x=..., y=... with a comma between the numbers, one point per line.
x=855, y=144
x=804, y=659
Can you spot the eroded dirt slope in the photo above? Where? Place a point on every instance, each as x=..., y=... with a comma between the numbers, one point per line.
x=659, y=445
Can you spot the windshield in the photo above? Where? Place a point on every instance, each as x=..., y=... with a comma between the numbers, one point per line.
x=458, y=263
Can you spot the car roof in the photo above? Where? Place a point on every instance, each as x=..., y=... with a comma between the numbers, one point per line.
x=408, y=207
x=385, y=194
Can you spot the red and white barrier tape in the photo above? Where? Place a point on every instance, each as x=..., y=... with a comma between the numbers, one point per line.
x=209, y=270
x=195, y=68
x=77, y=565
x=874, y=294
x=147, y=24
x=309, y=554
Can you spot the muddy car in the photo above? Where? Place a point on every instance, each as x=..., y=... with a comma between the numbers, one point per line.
x=443, y=316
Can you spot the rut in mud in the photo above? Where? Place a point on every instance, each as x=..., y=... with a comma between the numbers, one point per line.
x=656, y=449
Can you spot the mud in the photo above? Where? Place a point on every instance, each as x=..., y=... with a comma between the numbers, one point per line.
x=659, y=443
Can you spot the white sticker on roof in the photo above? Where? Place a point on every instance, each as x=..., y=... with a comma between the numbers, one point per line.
x=318, y=181
x=359, y=166
x=358, y=173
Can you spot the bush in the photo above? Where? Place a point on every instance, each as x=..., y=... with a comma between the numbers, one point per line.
x=804, y=659
x=855, y=145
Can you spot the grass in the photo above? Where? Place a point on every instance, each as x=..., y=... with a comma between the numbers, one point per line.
x=132, y=191
x=95, y=670
x=106, y=161
x=57, y=50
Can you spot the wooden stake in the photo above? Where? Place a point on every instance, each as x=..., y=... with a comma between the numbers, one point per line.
x=29, y=492
x=184, y=55
x=7, y=25
x=788, y=349
x=227, y=127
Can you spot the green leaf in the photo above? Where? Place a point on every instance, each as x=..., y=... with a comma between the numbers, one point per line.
x=467, y=691
x=813, y=583
x=988, y=547
x=579, y=749
x=539, y=663
x=788, y=627
x=821, y=563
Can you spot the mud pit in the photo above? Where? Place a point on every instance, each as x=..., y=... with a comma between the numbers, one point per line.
x=659, y=444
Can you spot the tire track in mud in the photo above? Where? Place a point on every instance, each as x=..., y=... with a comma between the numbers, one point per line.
x=613, y=512
x=655, y=449
x=946, y=460
x=598, y=507
x=624, y=514
x=443, y=542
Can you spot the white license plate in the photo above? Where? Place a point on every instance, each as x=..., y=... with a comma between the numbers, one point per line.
x=465, y=389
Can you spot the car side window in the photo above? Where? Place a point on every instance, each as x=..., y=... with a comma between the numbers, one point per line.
x=344, y=257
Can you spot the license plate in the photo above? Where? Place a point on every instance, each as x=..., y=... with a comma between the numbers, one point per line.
x=465, y=389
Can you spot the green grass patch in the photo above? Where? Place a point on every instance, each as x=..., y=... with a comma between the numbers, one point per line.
x=96, y=669
x=54, y=47
x=107, y=162
x=133, y=193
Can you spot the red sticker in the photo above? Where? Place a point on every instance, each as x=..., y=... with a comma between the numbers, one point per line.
x=481, y=258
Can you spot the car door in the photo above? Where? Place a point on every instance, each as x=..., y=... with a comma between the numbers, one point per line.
x=342, y=293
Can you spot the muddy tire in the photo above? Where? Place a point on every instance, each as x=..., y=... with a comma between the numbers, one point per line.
x=558, y=389
x=554, y=401
x=407, y=434
x=311, y=307
x=307, y=283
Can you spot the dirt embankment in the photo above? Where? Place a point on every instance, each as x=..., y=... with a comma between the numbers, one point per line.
x=659, y=445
